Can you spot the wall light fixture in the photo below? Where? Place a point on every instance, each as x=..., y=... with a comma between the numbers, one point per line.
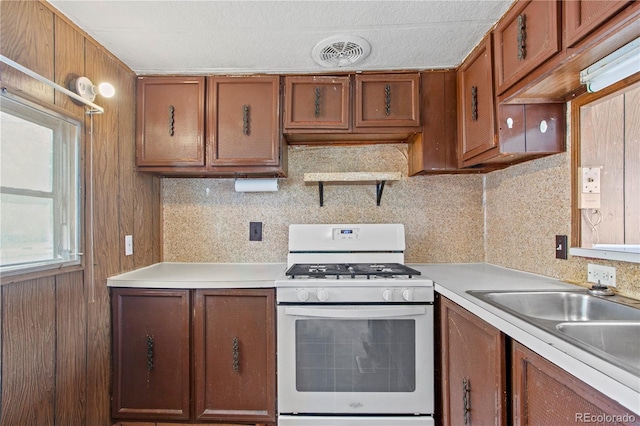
x=85, y=88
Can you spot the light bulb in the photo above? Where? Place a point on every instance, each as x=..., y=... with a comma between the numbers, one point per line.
x=106, y=89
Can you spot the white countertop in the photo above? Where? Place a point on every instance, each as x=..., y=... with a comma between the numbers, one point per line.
x=453, y=281
x=201, y=275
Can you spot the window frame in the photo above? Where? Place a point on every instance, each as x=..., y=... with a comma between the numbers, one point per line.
x=65, y=184
x=576, y=104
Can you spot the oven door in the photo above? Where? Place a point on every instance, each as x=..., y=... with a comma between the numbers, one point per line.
x=355, y=359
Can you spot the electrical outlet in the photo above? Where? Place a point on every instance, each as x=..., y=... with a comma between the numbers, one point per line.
x=128, y=245
x=602, y=275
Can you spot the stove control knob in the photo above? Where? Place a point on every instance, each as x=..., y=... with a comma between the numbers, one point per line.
x=323, y=295
x=407, y=294
x=387, y=294
x=303, y=295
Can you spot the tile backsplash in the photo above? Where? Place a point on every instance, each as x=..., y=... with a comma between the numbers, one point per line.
x=508, y=217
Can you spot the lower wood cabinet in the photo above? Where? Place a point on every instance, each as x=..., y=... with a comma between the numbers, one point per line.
x=489, y=379
x=194, y=355
x=151, y=340
x=234, y=355
x=543, y=393
x=474, y=378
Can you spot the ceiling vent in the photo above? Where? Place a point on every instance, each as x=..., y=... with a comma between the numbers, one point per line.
x=341, y=51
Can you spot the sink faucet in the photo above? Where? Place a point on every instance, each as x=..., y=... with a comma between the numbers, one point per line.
x=600, y=290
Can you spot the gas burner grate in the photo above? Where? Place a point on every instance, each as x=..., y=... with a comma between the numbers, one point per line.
x=351, y=270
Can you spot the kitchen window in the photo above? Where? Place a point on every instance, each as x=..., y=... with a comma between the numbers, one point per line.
x=40, y=226
x=605, y=138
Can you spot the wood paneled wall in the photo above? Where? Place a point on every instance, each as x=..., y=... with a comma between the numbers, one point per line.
x=55, y=347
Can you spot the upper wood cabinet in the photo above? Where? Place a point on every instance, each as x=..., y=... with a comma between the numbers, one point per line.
x=531, y=130
x=524, y=38
x=317, y=103
x=590, y=30
x=244, y=121
x=519, y=133
x=170, y=121
x=351, y=108
x=476, y=114
x=581, y=17
x=243, y=126
x=387, y=100
x=434, y=149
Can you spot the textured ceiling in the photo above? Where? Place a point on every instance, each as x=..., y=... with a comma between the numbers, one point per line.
x=209, y=37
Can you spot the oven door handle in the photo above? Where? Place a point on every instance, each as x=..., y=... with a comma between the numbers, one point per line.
x=360, y=312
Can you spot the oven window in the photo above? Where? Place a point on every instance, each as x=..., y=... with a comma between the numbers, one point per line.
x=355, y=355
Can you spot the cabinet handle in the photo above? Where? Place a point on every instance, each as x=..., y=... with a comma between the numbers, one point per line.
x=236, y=355
x=317, y=110
x=245, y=120
x=522, y=37
x=387, y=99
x=466, y=400
x=474, y=103
x=149, y=353
x=172, y=119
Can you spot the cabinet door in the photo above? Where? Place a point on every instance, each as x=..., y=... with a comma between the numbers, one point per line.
x=170, y=121
x=317, y=103
x=473, y=368
x=524, y=39
x=150, y=354
x=581, y=17
x=387, y=100
x=545, y=394
x=531, y=129
x=476, y=104
x=244, y=116
x=234, y=355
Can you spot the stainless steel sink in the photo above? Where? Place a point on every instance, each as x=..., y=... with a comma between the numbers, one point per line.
x=620, y=340
x=606, y=327
x=560, y=305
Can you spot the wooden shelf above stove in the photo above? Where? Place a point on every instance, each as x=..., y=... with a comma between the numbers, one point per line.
x=352, y=178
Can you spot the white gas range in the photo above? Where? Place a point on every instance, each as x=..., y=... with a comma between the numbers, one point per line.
x=355, y=329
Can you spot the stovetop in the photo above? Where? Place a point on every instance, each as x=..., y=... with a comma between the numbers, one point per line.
x=350, y=270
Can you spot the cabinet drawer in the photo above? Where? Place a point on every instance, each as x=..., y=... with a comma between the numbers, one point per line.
x=524, y=39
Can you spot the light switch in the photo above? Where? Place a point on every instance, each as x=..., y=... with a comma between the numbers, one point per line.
x=128, y=245
x=255, y=231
